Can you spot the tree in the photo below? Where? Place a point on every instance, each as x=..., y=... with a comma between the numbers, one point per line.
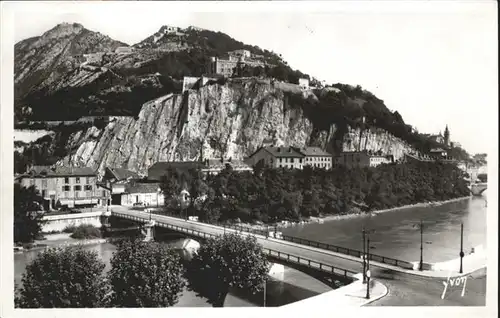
x=64, y=278
x=225, y=262
x=27, y=221
x=145, y=275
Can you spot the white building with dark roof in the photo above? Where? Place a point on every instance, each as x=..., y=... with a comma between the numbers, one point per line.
x=277, y=157
x=142, y=194
x=316, y=157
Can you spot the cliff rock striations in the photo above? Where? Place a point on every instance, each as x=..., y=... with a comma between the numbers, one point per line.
x=228, y=120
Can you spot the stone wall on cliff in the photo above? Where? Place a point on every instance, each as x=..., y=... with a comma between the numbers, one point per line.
x=230, y=120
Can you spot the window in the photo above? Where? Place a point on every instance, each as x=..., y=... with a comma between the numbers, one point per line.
x=103, y=193
x=281, y=159
x=77, y=188
x=44, y=192
x=66, y=188
x=88, y=187
x=77, y=195
x=300, y=160
x=77, y=180
x=44, y=183
x=66, y=180
x=32, y=182
x=89, y=180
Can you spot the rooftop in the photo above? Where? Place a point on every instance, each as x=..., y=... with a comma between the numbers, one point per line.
x=289, y=152
x=122, y=174
x=136, y=187
x=313, y=151
x=48, y=171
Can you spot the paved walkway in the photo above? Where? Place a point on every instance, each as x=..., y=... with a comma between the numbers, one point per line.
x=352, y=295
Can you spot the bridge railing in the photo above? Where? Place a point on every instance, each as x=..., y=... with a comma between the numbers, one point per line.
x=316, y=244
x=272, y=253
x=310, y=263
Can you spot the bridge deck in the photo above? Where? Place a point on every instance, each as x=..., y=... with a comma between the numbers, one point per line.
x=343, y=264
x=271, y=248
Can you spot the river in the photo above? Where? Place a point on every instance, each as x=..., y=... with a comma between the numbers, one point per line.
x=396, y=234
x=294, y=286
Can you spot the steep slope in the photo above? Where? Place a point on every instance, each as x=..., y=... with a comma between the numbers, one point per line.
x=44, y=60
x=70, y=72
x=229, y=120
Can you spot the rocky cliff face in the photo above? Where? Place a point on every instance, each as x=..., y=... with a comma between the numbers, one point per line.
x=230, y=120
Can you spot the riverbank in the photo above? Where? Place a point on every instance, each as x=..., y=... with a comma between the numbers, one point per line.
x=328, y=218
x=58, y=240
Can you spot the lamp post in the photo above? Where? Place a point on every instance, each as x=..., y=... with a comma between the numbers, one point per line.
x=158, y=198
x=368, y=274
x=364, y=257
x=421, y=267
x=461, y=247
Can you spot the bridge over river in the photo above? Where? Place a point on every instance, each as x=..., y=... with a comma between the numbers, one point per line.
x=413, y=287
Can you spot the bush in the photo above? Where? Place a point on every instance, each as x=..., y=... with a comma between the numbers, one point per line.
x=145, y=275
x=85, y=231
x=69, y=229
x=64, y=278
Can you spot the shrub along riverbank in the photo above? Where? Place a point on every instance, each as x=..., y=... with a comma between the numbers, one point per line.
x=271, y=195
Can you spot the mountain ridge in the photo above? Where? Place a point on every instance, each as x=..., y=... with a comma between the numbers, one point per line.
x=81, y=79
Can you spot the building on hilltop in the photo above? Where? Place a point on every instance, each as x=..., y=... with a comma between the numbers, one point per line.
x=361, y=159
x=124, y=49
x=66, y=186
x=240, y=53
x=437, y=138
x=238, y=58
x=440, y=138
x=438, y=153
x=446, y=139
x=277, y=157
x=304, y=83
x=194, y=28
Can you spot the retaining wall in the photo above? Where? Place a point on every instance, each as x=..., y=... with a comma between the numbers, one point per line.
x=59, y=222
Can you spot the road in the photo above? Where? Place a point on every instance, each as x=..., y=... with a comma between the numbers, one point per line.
x=405, y=289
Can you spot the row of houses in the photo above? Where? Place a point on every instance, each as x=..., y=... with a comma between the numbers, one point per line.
x=298, y=158
x=75, y=187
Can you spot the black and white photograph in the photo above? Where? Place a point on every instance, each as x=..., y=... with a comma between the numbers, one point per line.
x=321, y=158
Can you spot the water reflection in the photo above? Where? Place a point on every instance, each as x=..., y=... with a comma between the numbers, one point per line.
x=396, y=234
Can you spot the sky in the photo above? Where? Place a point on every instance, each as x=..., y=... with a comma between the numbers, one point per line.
x=435, y=63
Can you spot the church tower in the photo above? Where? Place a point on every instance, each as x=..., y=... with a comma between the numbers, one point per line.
x=446, y=136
